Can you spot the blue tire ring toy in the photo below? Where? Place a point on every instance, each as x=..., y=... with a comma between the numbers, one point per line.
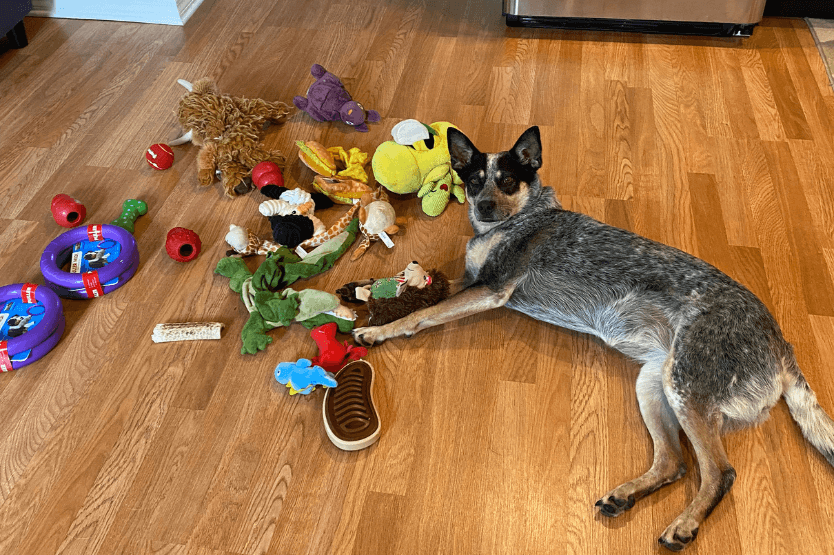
x=89, y=284
x=43, y=336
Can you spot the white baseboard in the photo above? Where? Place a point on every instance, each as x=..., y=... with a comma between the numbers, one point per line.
x=163, y=12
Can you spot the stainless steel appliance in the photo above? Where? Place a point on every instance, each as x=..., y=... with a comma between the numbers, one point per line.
x=699, y=17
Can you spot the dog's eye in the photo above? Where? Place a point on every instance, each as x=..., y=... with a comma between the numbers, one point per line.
x=507, y=181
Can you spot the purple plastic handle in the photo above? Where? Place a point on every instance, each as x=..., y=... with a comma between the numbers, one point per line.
x=61, y=244
x=36, y=335
x=66, y=293
x=40, y=350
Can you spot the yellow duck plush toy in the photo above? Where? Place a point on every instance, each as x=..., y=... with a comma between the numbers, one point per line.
x=417, y=160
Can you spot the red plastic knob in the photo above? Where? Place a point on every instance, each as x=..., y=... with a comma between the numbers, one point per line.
x=267, y=173
x=67, y=211
x=183, y=245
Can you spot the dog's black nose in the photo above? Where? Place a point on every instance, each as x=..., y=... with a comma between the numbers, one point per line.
x=486, y=207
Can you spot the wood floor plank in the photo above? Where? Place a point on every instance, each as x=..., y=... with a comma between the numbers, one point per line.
x=498, y=432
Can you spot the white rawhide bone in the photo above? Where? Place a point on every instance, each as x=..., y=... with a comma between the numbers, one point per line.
x=186, y=331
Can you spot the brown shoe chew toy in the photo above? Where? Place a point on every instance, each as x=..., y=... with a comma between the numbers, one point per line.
x=350, y=415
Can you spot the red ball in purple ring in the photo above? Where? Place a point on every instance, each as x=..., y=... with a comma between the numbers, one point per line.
x=183, y=245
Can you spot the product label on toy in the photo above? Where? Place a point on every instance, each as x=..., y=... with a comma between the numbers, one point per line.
x=94, y=232
x=300, y=251
x=27, y=293
x=92, y=285
x=17, y=317
x=385, y=239
x=92, y=255
x=5, y=362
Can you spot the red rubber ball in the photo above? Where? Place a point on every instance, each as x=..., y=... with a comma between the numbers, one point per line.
x=183, y=245
x=160, y=156
x=267, y=173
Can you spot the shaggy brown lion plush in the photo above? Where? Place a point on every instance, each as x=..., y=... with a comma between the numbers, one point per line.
x=392, y=298
x=229, y=131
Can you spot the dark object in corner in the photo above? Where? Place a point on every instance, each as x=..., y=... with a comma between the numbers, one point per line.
x=821, y=9
x=11, y=21
x=634, y=25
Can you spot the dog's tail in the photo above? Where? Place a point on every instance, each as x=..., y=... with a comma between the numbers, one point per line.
x=816, y=425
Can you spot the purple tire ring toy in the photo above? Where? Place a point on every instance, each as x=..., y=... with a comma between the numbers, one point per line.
x=89, y=284
x=38, y=351
x=74, y=293
x=53, y=315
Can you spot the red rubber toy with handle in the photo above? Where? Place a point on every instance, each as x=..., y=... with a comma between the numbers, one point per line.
x=67, y=211
x=183, y=245
x=267, y=173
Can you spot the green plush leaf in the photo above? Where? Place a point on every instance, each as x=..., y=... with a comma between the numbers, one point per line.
x=276, y=308
x=254, y=335
x=344, y=326
x=235, y=269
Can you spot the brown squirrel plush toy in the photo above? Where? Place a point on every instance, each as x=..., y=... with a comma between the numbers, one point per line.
x=229, y=132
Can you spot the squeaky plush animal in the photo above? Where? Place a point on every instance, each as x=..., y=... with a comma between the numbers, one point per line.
x=377, y=221
x=394, y=297
x=418, y=161
x=229, y=132
x=328, y=100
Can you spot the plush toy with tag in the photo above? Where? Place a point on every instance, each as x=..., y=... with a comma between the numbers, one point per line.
x=377, y=221
x=397, y=296
x=328, y=100
x=418, y=161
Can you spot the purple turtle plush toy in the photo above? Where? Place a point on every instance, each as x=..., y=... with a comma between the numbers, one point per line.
x=327, y=100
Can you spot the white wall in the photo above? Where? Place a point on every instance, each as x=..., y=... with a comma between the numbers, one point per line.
x=166, y=12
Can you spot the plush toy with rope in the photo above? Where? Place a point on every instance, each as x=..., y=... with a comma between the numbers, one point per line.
x=229, y=132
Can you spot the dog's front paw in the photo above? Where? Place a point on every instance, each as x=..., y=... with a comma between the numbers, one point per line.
x=369, y=336
x=679, y=534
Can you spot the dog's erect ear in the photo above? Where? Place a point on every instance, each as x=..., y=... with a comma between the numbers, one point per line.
x=528, y=148
x=461, y=149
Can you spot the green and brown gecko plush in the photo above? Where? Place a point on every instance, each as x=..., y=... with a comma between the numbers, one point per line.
x=270, y=301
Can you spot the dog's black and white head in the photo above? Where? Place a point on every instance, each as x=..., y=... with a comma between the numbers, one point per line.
x=498, y=185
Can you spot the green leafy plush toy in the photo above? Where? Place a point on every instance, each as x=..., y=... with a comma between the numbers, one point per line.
x=270, y=301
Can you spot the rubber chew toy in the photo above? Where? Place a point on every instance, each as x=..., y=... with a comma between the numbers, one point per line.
x=186, y=331
x=31, y=324
x=131, y=210
x=332, y=354
x=67, y=211
x=350, y=416
x=183, y=245
x=97, y=282
x=160, y=156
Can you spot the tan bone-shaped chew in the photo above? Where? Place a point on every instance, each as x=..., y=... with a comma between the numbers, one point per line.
x=186, y=331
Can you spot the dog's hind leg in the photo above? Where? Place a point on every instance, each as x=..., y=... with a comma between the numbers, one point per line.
x=664, y=428
x=717, y=475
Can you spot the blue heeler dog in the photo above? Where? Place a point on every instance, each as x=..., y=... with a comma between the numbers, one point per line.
x=713, y=357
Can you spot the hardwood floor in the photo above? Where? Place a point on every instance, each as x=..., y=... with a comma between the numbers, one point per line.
x=499, y=432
